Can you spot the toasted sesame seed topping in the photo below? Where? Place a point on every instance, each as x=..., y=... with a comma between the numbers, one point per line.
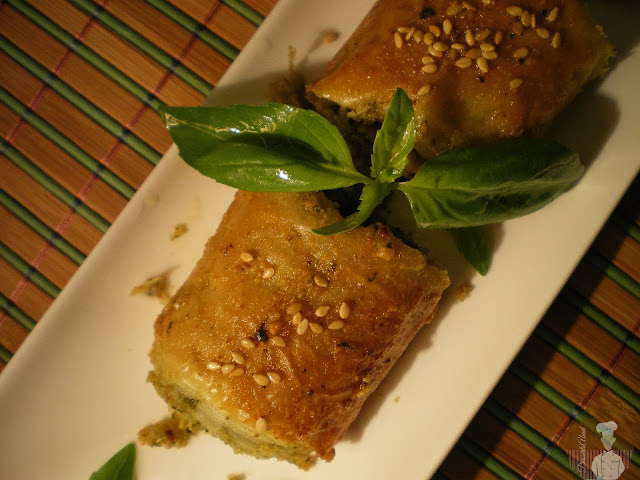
x=278, y=341
x=441, y=46
x=397, y=39
x=261, y=379
x=514, y=11
x=273, y=328
x=297, y=318
x=483, y=64
x=430, y=68
x=238, y=358
x=464, y=62
x=322, y=310
x=315, y=327
x=454, y=9
x=474, y=53
x=302, y=327
x=458, y=46
x=427, y=59
x=236, y=372
x=227, y=368
x=247, y=343
x=555, y=41
x=482, y=35
x=246, y=257
x=434, y=52
x=543, y=32
x=261, y=425
x=491, y=55
x=487, y=47
x=320, y=281
x=525, y=18
x=447, y=26
x=487, y=2
x=553, y=14
x=468, y=6
x=213, y=366
x=423, y=90
x=418, y=36
x=410, y=33
x=344, y=311
x=435, y=30
x=497, y=38
x=469, y=37
x=515, y=83
x=274, y=377
x=268, y=273
x=429, y=38
x=521, y=52
x=534, y=22
x=294, y=308
x=402, y=29
x=336, y=325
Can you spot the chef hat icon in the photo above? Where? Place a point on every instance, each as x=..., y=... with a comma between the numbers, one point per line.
x=606, y=428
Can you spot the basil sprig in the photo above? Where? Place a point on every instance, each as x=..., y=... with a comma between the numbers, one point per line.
x=278, y=148
x=118, y=467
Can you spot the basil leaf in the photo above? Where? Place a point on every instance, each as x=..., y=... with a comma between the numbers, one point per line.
x=473, y=244
x=267, y=148
x=118, y=467
x=372, y=194
x=488, y=184
x=395, y=139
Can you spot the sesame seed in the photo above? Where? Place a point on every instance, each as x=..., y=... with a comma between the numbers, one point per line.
x=487, y=47
x=315, y=327
x=491, y=55
x=497, y=38
x=487, y=2
x=410, y=33
x=261, y=425
x=261, y=379
x=474, y=53
x=402, y=29
x=454, y=9
x=274, y=377
x=482, y=35
x=452, y=54
x=268, y=273
x=427, y=59
x=236, y=372
x=469, y=38
x=553, y=14
x=273, y=328
x=441, y=46
x=483, y=64
x=555, y=41
x=521, y=52
x=294, y=308
x=533, y=20
x=447, y=26
x=227, y=368
x=297, y=318
x=543, y=32
x=430, y=68
x=344, y=310
x=514, y=11
x=320, y=281
x=246, y=257
x=435, y=30
x=517, y=28
x=458, y=46
x=418, y=36
x=385, y=253
x=515, y=83
x=302, y=327
x=429, y=38
x=468, y=6
x=434, y=52
x=322, y=310
x=423, y=90
x=278, y=341
x=336, y=325
x=247, y=343
x=238, y=358
x=397, y=40
x=525, y=18
x=213, y=366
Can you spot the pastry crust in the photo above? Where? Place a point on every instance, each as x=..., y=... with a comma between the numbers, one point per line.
x=476, y=71
x=279, y=335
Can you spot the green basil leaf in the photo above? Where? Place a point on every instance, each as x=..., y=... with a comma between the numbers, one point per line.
x=118, y=467
x=395, y=139
x=267, y=148
x=474, y=245
x=488, y=184
x=372, y=194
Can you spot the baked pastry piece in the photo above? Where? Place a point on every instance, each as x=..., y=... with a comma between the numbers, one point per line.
x=477, y=71
x=279, y=335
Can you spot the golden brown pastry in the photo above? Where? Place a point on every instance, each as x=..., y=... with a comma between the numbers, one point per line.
x=279, y=335
x=477, y=70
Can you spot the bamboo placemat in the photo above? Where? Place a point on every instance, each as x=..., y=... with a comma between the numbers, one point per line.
x=80, y=81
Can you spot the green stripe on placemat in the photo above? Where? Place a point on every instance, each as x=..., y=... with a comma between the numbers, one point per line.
x=86, y=53
x=484, y=458
x=198, y=29
x=614, y=273
x=28, y=271
x=627, y=226
x=5, y=355
x=82, y=103
x=245, y=11
x=16, y=313
x=144, y=45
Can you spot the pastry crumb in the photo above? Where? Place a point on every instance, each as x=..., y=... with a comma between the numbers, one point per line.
x=329, y=36
x=173, y=431
x=157, y=286
x=179, y=230
x=463, y=291
x=236, y=476
x=396, y=399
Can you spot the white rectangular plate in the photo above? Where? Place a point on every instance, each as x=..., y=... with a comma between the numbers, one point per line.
x=75, y=392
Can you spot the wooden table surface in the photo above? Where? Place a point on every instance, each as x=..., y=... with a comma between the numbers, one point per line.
x=80, y=81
